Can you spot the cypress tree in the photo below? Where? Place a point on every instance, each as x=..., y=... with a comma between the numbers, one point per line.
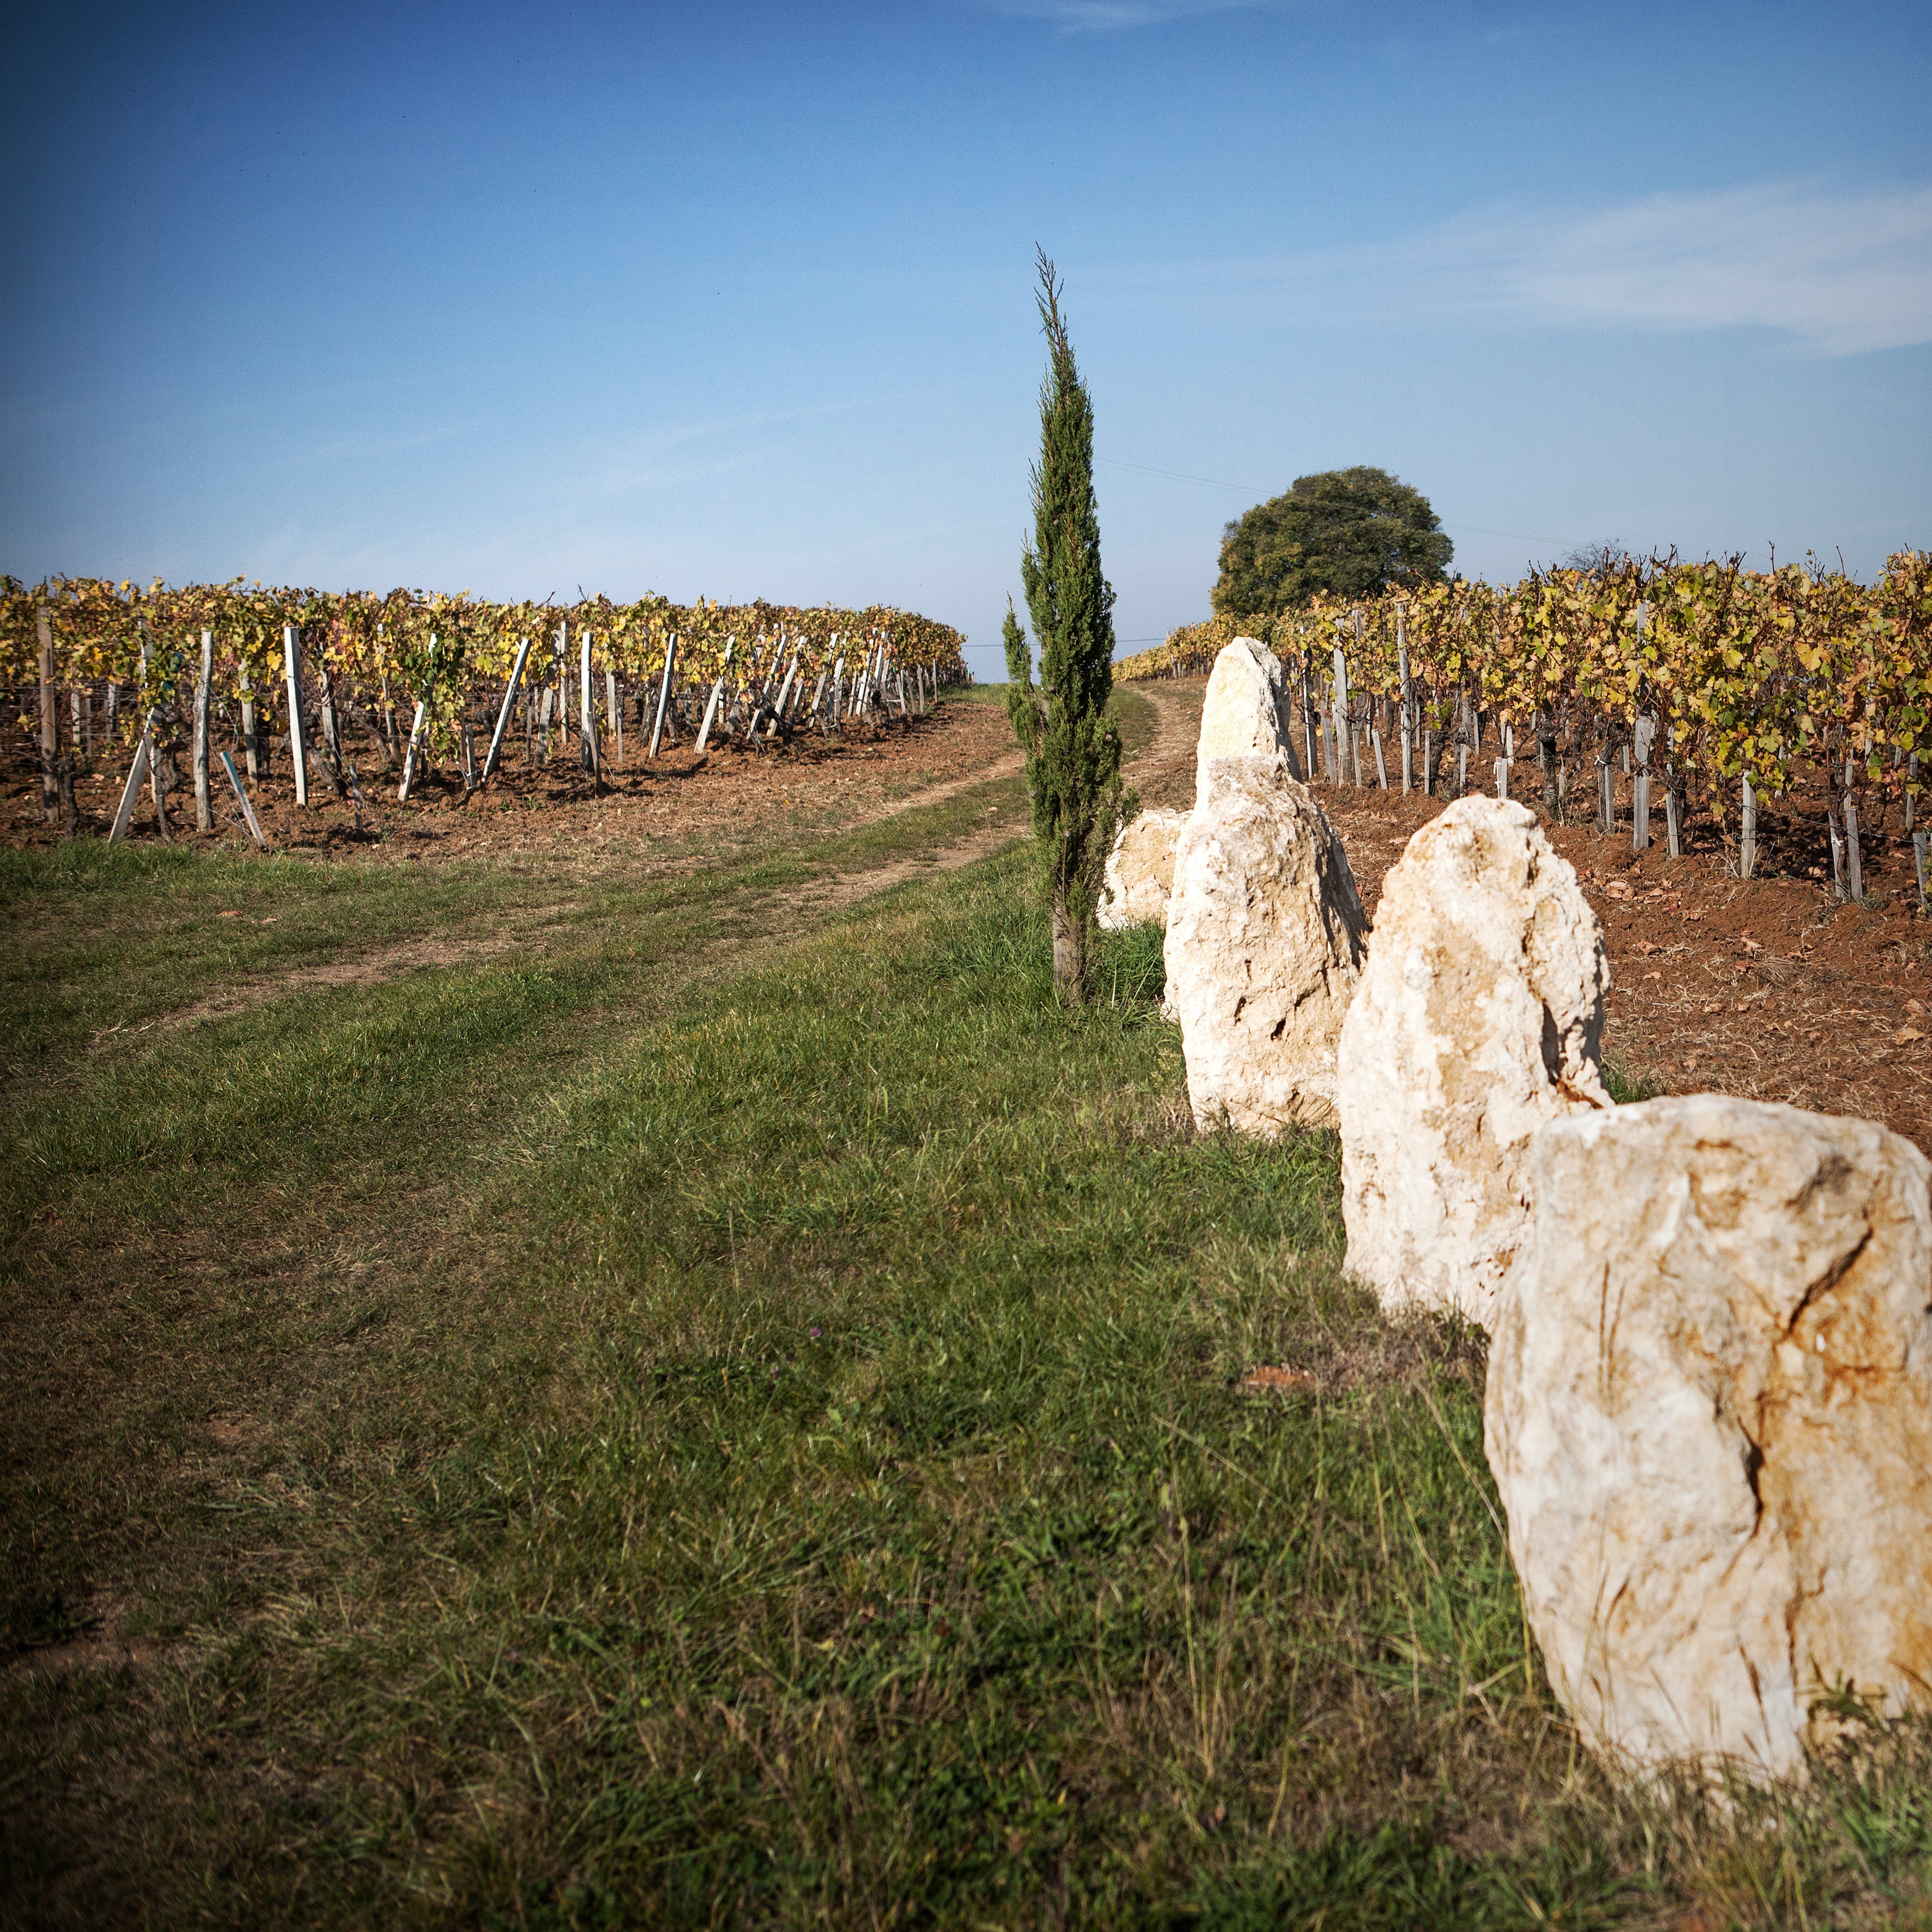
x=1073, y=749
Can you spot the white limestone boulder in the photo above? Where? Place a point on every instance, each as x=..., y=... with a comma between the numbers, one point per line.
x=1709, y=1415
x=1479, y=1018
x=1265, y=936
x=1140, y=870
x=1247, y=711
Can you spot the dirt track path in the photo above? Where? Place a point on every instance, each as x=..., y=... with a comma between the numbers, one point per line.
x=1162, y=771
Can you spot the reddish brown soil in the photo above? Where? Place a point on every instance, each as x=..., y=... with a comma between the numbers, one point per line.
x=1769, y=988
x=659, y=808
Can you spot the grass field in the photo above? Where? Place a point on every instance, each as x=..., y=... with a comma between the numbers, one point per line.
x=703, y=1417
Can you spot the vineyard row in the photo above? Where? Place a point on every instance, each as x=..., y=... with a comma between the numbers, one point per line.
x=197, y=673
x=1710, y=684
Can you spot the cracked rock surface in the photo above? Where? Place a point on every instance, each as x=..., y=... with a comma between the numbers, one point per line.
x=1140, y=870
x=1264, y=941
x=1481, y=1016
x=1247, y=710
x=1709, y=1416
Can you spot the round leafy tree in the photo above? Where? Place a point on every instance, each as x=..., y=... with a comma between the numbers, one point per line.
x=1350, y=532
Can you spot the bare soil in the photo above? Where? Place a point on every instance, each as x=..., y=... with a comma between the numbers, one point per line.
x=661, y=810
x=1771, y=988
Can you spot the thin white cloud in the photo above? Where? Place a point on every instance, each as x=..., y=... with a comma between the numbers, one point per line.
x=1106, y=16
x=1833, y=274
x=1839, y=274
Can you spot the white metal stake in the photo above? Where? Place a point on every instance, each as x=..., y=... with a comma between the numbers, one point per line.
x=204, y=805
x=298, y=751
x=247, y=810
x=1502, y=777
x=144, y=756
x=503, y=715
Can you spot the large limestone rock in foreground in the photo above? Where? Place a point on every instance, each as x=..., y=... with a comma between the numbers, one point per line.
x=1265, y=935
x=1710, y=1419
x=1247, y=711
x=1140, y=870
x=1480, y=1017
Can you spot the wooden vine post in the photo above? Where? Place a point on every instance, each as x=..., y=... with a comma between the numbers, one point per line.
x=249, y=750
x=664, y=691
x=298, y=750
x=144, y=757
x=586, y=722
x=416, y=733
x=1406, y=699
x=1854, y=867
x=409, y=756
x=43, y=626
x=247, y=810
x=503, y=714
x=204, y=803
x=711, y=709
x=1646, y=730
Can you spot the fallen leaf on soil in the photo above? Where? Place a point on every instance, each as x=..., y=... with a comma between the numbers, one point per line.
x=1906, y=1034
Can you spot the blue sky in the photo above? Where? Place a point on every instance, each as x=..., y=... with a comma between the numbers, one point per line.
x=735, y=300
